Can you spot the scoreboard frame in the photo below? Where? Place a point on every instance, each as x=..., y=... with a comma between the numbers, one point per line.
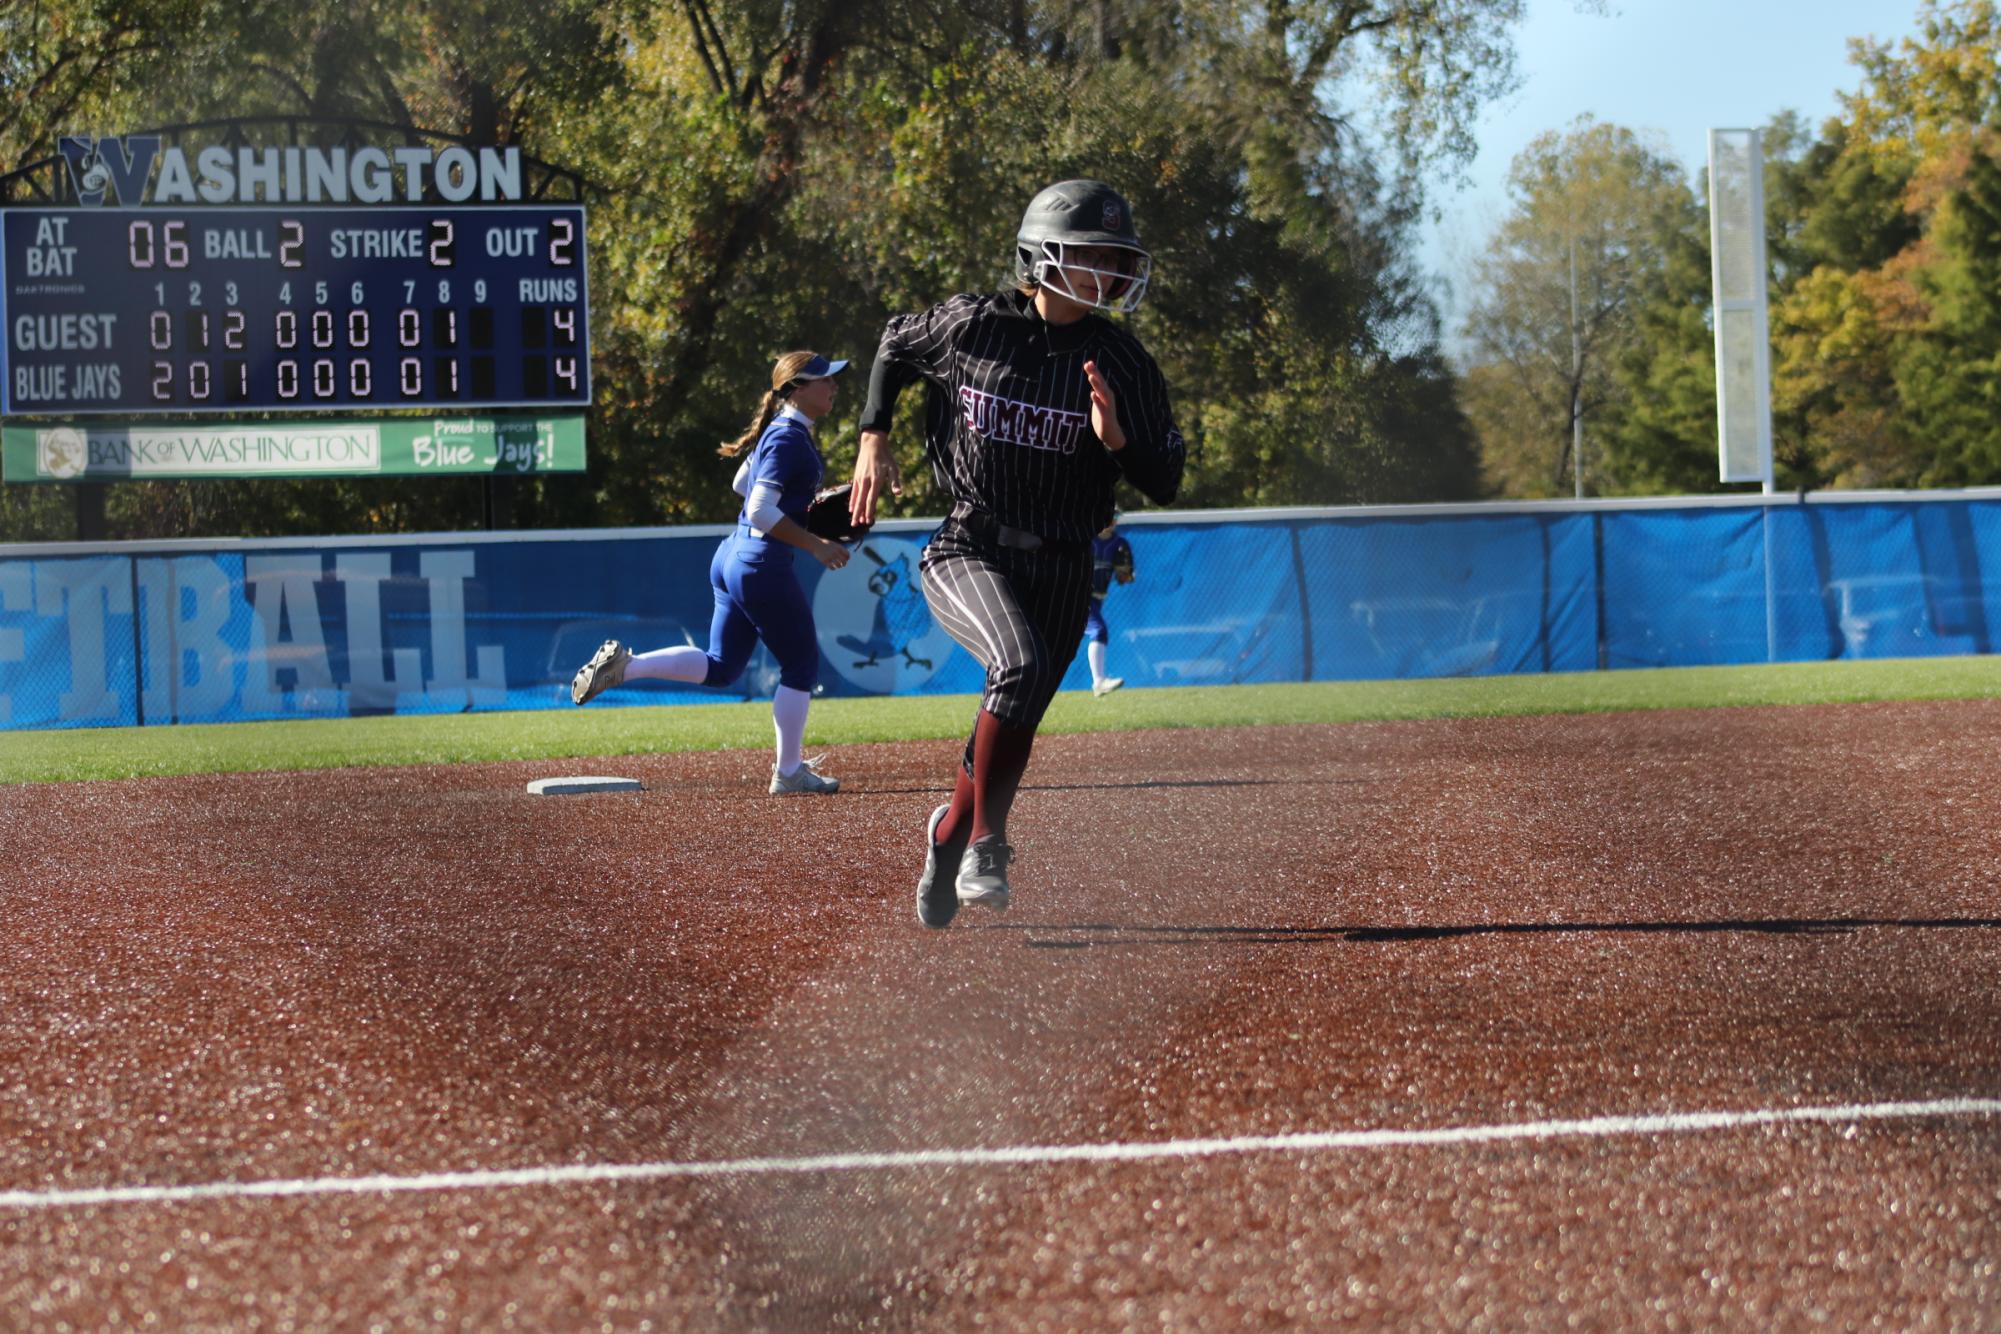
x=355, y=356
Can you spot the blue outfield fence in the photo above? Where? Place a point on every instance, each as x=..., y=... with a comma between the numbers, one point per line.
x=149, y=633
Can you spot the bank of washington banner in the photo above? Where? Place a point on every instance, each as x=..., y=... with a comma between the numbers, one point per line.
x=406, y=447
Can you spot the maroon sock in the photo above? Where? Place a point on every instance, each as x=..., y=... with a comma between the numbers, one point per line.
x=1000, y=756
x=960, y=817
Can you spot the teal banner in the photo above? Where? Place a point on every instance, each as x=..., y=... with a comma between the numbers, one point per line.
x=402, y=446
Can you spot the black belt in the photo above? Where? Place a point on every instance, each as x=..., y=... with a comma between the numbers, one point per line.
x=982, y=524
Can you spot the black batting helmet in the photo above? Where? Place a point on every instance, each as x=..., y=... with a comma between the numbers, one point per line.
x=1081, y=213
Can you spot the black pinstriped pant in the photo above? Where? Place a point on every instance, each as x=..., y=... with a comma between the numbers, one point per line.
x=1020, y=613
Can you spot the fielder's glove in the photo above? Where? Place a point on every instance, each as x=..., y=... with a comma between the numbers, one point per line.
x=828, y=517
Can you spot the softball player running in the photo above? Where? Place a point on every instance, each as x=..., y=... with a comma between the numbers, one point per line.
x=757, y=594
x=1111, y=559
x=1036, y=407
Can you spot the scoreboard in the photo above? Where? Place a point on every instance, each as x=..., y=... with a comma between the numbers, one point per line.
x=288, y=309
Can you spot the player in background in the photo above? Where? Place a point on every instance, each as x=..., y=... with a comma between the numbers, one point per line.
x=757, y=594
x=1036, y=406
x=1111, y=559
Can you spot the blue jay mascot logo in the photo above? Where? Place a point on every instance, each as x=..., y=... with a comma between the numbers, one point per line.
x=901, y=618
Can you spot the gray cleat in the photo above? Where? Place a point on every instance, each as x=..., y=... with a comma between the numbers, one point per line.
x=806, y=778
x=983, y=874
x=937, y=901
x=605, y=670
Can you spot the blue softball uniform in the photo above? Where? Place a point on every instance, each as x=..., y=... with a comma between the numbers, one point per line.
x=1106, y=554
x=757, y=594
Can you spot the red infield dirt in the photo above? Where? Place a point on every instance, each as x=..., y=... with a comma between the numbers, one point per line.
x=307, y=978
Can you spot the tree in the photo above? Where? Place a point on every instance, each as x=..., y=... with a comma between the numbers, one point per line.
x=770, y=175
x=902, y=179
x=1663, y=437
x=65, y=64
x=1598, y=202
x=1882, y=346
x=1949, y=374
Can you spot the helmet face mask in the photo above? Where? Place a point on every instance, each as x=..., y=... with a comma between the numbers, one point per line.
x=1119, y=289
x=1062, y=226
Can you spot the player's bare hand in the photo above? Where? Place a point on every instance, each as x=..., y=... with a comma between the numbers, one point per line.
x=875, y=474
x=1104, y=409
x=831, y=554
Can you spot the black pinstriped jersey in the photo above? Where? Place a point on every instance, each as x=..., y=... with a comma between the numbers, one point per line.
x=1007, y=421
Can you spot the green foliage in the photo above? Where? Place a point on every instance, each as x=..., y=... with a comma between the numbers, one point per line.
x=1854, y=216
x=1884, y=340
x=1949, y=374
x=1885, y=259
x=1579, y=288
x=1662, y=440
x=37, y=513
x=769, y=176
x=83, y=63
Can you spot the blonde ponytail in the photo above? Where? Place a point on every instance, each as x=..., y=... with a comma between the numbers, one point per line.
x=787, y=366
x=766, y=410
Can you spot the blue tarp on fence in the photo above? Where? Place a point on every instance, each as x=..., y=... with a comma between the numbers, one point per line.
x=119, y=634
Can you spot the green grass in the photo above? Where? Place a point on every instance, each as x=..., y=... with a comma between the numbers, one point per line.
x=125, y=752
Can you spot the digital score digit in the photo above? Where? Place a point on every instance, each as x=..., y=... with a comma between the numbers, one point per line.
x=139, y=311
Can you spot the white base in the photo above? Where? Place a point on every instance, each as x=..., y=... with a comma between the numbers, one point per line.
x=566, y=787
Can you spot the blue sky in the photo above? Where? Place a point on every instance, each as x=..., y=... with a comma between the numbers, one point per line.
x=1680, y=67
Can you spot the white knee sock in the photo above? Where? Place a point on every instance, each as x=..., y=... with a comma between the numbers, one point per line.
x=1095, y=652
x=685, y=663
x=788, y=715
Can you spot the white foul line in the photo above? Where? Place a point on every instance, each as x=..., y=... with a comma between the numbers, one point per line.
x=1665, y=1123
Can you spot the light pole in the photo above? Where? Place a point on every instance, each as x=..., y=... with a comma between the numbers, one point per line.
x=1576, y=383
